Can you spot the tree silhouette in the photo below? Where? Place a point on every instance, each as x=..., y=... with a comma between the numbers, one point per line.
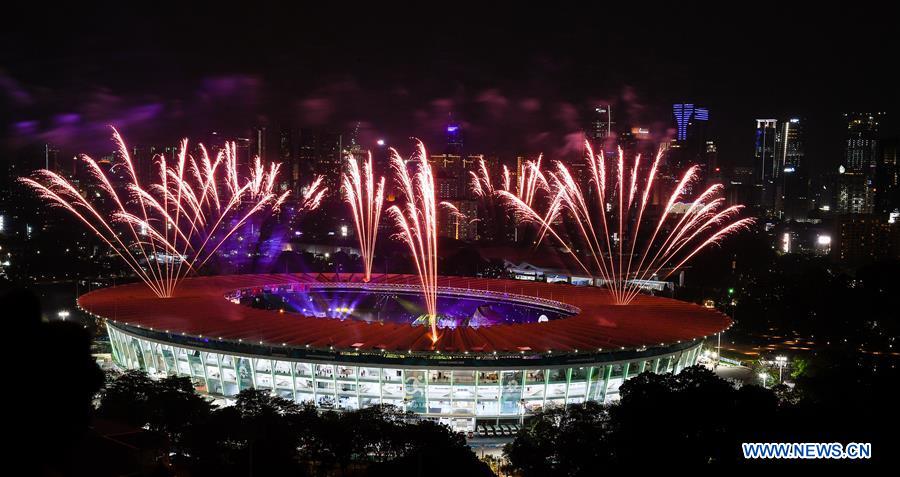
x=695, y=417
x=57, y=405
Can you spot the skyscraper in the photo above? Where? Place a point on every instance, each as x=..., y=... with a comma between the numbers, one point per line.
x=601, y=125
x=887, y=197
x=856, y=182
x=690, y=146
x=144, y=158
x=51, y=158
x=862, y=141
x=765, y=162
x=242, y=146
x=789, y=140
x=319, y=153
x=454, y=139
x=287, y=156
x=690, y=120
x=352, y=147
x=792, y=180
x=259, y=143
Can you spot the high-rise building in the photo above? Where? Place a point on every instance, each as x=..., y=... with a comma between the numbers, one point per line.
x=144, y=157
x=712, y=159
x=862, y=141
x=865, y=238
x=287, y=156
x=452, y=172
x=856, y=182
x=791, y=178
x=690, y=120
x=741, y=186
x=51, y=158
x=789, y=143
x=691, y=145
x=319, y=153
x=242, y=147
x=765, y=162
x=259, y=143
x=854, y=192
x=601, y=125
x=460, y=224
x=352, y=147
x=454, y=139
x=887, y=196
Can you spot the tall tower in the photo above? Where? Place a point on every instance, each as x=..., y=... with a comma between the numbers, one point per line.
x=856, y=182
x=287, y=156
x=691, y=145
x=319, y=153
x=690, y=122
x=764, y=161
x=601, y=125
x=862, y=141
x=51, y=158
x=454, y=139
x=259, y=143
x=887, y=197
x=792, y=181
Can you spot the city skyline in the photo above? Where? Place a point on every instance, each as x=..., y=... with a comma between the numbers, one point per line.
x=281, y=76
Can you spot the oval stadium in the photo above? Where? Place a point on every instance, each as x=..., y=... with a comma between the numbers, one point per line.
x=507, y=348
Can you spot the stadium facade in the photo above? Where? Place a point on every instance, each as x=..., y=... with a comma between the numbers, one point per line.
x=477, y=376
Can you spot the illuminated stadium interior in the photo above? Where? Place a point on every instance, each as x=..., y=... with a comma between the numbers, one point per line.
x=378, y=304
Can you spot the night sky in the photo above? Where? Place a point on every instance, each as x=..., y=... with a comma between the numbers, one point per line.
x=520, y=80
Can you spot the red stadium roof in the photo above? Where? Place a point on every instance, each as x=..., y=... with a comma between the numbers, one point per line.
x=199, y=308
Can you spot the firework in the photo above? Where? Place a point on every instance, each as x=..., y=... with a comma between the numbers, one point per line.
x=170, y=228
x=529, y=181
x=260, y=239
x=312, y=195
x=417, y=224
x=365, y=201
x=616, y=247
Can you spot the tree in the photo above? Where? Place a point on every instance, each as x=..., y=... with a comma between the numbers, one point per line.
x=432, y=449
x=269, y=435
x=167, y=406
x=798, y=367
x=59, y=411
x=689, y=418
x=175, y=406
x=681, y=411
x=127, y=398
x=562, y=441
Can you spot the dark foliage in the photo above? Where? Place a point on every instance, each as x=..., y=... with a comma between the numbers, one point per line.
x=264, y=434
x=696, y=418
x=55, y=409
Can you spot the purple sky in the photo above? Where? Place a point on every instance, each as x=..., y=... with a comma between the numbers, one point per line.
x=519, y=81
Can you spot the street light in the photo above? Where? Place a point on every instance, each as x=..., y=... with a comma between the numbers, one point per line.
x=781, y=361
x=63, y=314
x=763, y=376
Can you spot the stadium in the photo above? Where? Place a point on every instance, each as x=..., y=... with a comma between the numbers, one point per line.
x=507, y=348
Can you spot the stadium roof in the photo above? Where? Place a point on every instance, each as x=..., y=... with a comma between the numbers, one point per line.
x=199, y=308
